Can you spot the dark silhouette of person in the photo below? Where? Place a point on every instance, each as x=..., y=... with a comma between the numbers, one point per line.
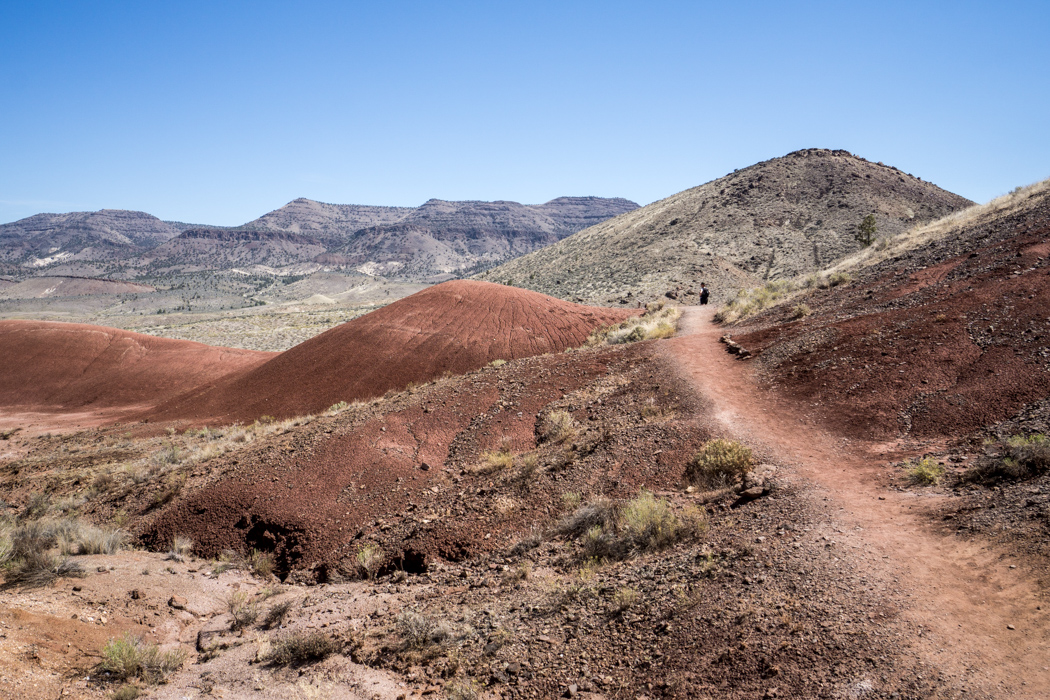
x=704, y=293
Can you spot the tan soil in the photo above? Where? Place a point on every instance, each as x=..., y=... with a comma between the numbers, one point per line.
x=983, y=618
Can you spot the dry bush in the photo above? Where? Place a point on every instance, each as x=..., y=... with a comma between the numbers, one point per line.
x=88, y=539
x=415, y=629
x=129, y=657
x=720, y=463
x=493, y=461
x=301, y=648
x=242, y=609
x=600, y=512
x=276, y=614
x=647, y=523
x=126, y=692
x=370, y=558
x=800, y=311
x=658, y=321
x=463, y=690
x=557, y=427
x=260, y=563
x=39, y=568
x=625, y=598
x=181, y=547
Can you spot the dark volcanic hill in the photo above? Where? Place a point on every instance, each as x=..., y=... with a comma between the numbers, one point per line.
x=438, y=239
x=44, y=239
x=776, y=219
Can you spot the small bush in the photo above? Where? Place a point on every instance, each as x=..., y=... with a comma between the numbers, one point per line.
x=126, y=692
x=925, y=472
x=260, y=563
x=275, y=616
x=625, y=598
x=243, y=610
x=337, y=407
x=647, y=522
x=497, y=363
x=415, y=629
x=462, y=690
x=557, y=427
x=302, y=648
x=571, y=499
x=129, y=657
x=658, y=321
x=600, y=512
x=800, y=311
x=720, y=463
x=370, y=558
x=493, y=461
x=181, y=546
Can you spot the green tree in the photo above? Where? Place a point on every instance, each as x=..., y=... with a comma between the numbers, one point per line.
x=866, y=230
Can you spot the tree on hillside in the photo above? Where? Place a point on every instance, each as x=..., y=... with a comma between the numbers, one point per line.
x=866, y=230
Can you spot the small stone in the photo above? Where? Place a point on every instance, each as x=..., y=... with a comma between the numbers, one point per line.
x=177, y=602
x=424, y=466
x=1010, y=627
x=77, y=589
x=136, y=595
x=572, y=691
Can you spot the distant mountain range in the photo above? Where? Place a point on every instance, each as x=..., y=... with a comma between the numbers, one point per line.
x=435, y=241
x=775, y=219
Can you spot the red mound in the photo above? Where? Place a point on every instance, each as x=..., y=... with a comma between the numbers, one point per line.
x=452, y=327
x=69, y=367
x=940, y=342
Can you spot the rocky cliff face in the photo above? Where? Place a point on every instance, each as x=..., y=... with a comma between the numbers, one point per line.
x=776, y=219
x=439, y=239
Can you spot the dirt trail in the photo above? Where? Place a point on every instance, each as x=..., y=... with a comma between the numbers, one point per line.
x=963, y=597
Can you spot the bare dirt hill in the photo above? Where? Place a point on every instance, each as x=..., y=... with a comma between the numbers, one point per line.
x=62, y=368
x=775, y=219
x=449, y=328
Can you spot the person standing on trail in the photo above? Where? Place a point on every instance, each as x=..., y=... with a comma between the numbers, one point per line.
x=704, y=292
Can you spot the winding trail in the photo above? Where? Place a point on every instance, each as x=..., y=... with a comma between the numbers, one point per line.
x=976, y=618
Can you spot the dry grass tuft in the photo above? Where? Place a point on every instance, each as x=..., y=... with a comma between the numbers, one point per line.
x=658, y=321
x=302, y=648
x=129, y=657
x=557, y=427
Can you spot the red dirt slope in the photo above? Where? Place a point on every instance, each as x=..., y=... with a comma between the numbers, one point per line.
x=938, y=342
x=54, y=368
x=453, y=327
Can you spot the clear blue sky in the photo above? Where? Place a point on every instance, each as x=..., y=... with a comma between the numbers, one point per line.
x=217, y=112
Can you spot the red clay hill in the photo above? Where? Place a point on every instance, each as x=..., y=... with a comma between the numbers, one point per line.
x=452, y=327
x=102, y=373
x=934, y=341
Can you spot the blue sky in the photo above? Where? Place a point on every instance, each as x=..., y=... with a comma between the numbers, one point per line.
x=219, y=112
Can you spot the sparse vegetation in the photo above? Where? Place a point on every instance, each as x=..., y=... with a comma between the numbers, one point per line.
x=126, y=692
x=302, y=648
x=557, y=427
x=129, y=657
x=181, y=547
x=1016, y=458
x=243, y=609
x=625, y=598
x=493, y=461
x=260, y=563
x=658, y=321
x=800, y=311
x=720, y=463
x=607, y=530
x=276, y=614
x=925, y=471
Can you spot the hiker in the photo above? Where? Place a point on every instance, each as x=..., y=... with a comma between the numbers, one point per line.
x=704, y=292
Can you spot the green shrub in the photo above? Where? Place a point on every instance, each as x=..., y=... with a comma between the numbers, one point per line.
x=129, y=657
x=720, y=463
x=645, y=523
x=301, y=648
x=925, y=472
x=1014, y=459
